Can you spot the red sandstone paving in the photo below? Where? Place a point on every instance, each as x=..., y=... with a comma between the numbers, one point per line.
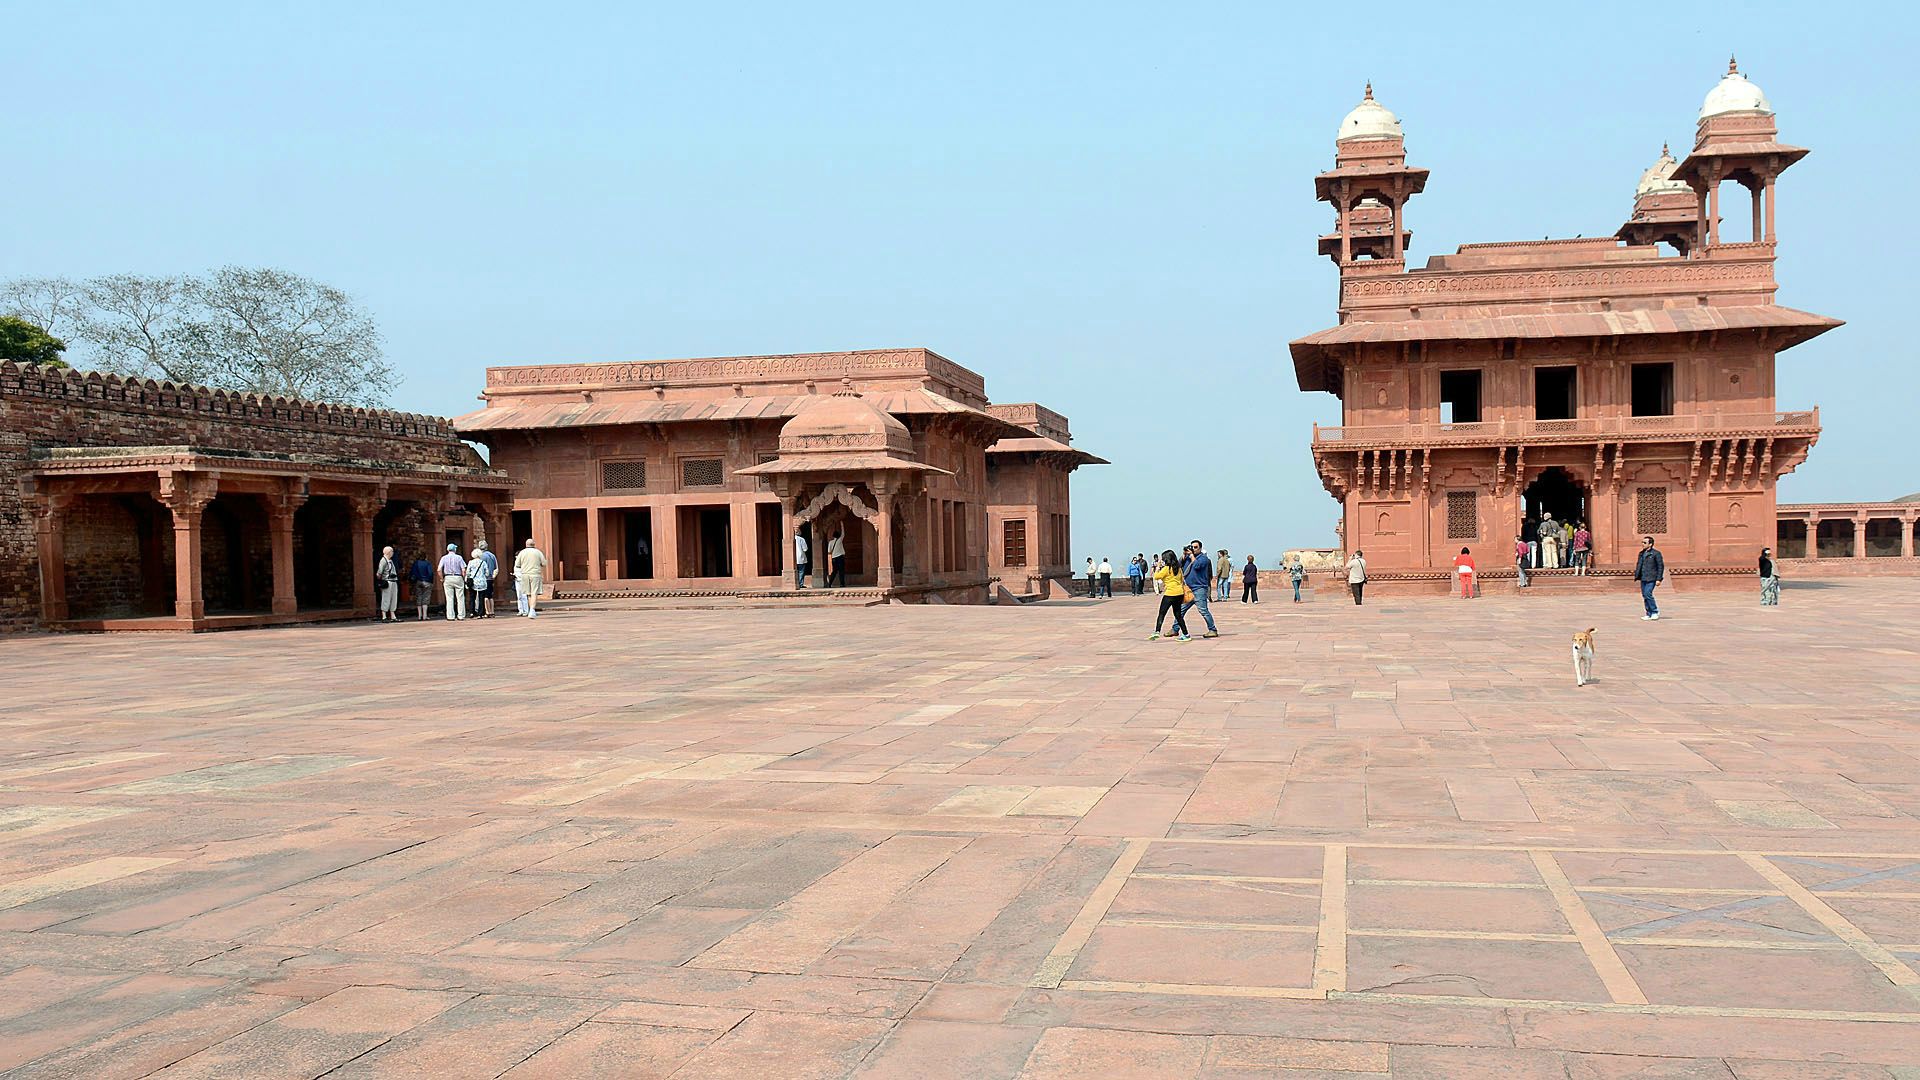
x=835, y=842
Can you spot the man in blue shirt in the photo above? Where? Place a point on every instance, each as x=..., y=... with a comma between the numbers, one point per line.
x=1197, y=572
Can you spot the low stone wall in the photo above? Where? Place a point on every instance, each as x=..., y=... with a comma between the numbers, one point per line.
x=1895, y=566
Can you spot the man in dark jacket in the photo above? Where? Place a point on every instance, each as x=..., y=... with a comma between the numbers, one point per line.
x=1649, y=571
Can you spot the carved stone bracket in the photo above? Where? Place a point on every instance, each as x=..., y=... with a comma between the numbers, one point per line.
x=830, y=494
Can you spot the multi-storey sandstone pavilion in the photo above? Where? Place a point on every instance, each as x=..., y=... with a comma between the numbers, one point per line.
x=693, y=476
x=1625, y=381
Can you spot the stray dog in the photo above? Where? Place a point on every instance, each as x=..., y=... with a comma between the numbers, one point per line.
x=1583, y=657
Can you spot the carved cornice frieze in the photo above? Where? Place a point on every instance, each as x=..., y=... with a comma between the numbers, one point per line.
x=1597, y=281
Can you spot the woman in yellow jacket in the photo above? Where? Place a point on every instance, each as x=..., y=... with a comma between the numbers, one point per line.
x=1167, y=576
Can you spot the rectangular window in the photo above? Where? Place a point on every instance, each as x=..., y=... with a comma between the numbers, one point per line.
x=1653, y=389
x=766, y=482
x=1013, y=544
x=1650, y=511
x=1460, y=397
x=623, y=475
x=1555, y=393
x=1463, y=515
x=701, y=472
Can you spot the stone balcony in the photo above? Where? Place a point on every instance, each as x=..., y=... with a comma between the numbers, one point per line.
x=1585, y=429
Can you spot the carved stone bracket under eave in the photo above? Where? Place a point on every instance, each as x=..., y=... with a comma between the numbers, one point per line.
x=830, y=494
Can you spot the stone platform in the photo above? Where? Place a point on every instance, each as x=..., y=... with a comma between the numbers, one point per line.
x=975, y=842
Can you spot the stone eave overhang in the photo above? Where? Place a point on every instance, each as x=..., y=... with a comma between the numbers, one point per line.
x=101, y=461
x=1318, y=357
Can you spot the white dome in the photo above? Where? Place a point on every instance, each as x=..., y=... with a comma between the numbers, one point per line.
x=1658, y=179
x=1733, y=94
x=1369, y=120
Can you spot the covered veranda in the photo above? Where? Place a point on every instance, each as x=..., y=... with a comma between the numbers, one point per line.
x=193, y=538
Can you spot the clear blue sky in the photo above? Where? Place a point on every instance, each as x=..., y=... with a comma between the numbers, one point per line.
x=1104, y=207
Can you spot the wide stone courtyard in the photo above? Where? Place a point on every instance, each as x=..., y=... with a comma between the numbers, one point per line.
x=978, y=842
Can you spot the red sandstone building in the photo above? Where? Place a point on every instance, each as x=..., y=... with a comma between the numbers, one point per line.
x=127, y=504
x=693, y=476
x=1627, y=381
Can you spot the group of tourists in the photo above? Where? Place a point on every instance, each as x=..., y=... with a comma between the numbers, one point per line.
x=1188, y=579
x=1551, y=545
x=466, y=583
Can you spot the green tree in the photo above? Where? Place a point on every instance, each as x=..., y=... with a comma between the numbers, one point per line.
x=25, y=343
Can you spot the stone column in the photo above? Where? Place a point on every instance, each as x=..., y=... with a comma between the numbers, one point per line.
x=883, y=537
x=1906, y=535
x=281, y=508
x=49, y=520
x=1859, y=536
x=666, y=542
x=743, y=527
x=595, y=570
x=187, y=496
x=1768, y=191
x=361, y=509
x=787, y=529
x=1813, y=536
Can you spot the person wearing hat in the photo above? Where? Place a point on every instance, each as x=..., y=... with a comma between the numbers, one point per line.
x=453, y=581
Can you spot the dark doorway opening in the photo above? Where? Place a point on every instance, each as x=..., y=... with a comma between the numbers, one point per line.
x=322, y=555
x=636, y=543
x=522, y=530
x=119, y=557
x=1653, y=389
x=1555, y=393
x=1557, y=492
x=770, y=546
x=1790, y=540
x=1460, y=397
x=706, y=541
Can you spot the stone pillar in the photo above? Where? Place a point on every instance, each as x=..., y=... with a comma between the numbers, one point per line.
x=1906, y=535
x=595, y=570
x=1713, y=213
x=1859, y=536
x=743, y=527
x=1346, y=226
x=883, y=538
x=937, y=537
x=788, y=527
x=49, y=520
x=1813, y=536
x=281, y=508
x=666, y=542
x=1398, y=252
x=362, y=509
x=187, y=497
x=1768, y=192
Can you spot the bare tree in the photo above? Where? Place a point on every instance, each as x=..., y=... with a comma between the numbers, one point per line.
x=279, y=333
x=54, y=304
x=259, y=330
x=147, y=326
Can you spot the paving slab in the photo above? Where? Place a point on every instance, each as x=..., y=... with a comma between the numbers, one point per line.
x=983, y=842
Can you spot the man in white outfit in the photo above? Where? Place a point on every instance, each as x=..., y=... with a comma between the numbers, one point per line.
x=529, y=573
x=453, y=582
x=800, y=565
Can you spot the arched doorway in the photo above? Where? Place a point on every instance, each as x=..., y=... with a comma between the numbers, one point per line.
x=1554, y=491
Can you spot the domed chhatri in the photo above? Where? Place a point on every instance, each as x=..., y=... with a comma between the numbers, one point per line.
x=1369, y=120
x=1658, y=179
x=1734, y=94
x=845, y=422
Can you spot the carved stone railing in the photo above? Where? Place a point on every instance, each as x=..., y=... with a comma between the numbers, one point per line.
x=1579, y=429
